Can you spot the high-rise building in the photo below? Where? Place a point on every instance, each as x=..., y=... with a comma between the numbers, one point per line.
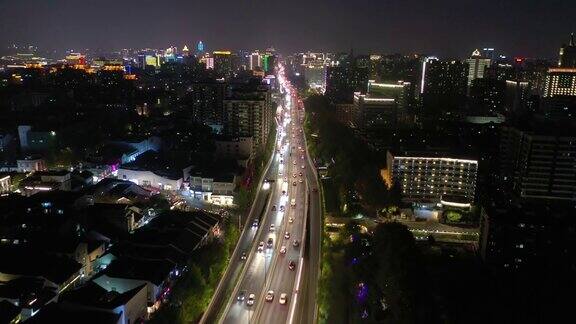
x=487, y=95
x=523, y=236
x=560, y=82
x=374, y=113
x=489, y=52
x=223, y=63
x=567, y=57
x=255, y=60
x=538, y=161
x=314, y=69
x=206, y=99
x=444, y=86
x=516, y=95
x=248, y=113
x=200, y=47
x=343, y=79
x=399, y=91
x=476, y=66
x=423, y=71
x=433, y=179
x=185, y=51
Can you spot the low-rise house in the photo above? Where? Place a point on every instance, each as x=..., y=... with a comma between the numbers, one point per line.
x=30, y=163
x=59, y=272
x=58, y=313
x=125, y=274
x=5, y=183
x=116, y=191
x=151, y=170
x=130, y=305
x=28, y=294
x=215, y=184
x=113, y=218
x=46, y=181
x=9, y=313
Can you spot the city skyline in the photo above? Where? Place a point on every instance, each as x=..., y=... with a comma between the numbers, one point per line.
x=404, y=27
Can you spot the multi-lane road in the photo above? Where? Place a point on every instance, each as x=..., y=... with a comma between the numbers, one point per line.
x=281, y=242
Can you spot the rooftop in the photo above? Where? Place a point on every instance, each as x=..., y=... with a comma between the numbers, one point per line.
x=154, y=271
x=30, y=262
x=93, y=295
x=54, y=313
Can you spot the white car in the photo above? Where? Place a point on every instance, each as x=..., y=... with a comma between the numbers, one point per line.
x=261, y=247
x=250, y=300
x=283, y=299
x=287, y=235
x=303, y=166
x=290, y=220
x=270, y=296
x=283, y=249
x=272, y=228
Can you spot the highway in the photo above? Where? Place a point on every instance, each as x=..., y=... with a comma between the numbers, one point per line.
x=259, y=209
x=290, y=197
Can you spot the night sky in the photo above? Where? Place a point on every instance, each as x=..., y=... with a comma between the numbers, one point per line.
x=533, y=28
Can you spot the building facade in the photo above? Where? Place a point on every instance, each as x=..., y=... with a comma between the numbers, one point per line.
x=428, y=179
x=248, y=113
x=539, y=165
x=477, y=65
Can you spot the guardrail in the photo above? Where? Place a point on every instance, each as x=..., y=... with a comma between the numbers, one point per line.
x=321, y=195
x=235, y=253
x=296, y=288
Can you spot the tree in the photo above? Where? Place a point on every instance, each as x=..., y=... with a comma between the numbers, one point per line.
x=399, y=274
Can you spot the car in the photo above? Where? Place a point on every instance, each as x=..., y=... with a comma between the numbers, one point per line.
x=270, y=242
x=295, y=243
x=300, y=180
x=241, y=295
x=303, y=166
x=294, y=183
x=243, y=256
x=283, y=299
x=294, y=175
x=281, y=160
x=255, y=222
x=272, y=227
x=292, y=265
x=285, y=179
x=283, y=249
x=302, y=157
x=287, y=235
x=290, y=220
x=251, y=299
x=274, y=208
x=300, y=173
x=261, y=246
x=284, y=192
x=282, y=208
x=270, y=295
